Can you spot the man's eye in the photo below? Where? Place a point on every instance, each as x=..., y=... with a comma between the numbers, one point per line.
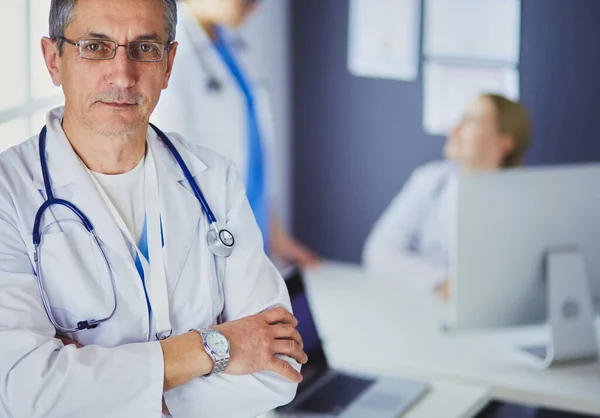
x=147, y=48
x=93, y=47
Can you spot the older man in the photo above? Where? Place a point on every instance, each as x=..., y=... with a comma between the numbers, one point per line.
x=132, y=274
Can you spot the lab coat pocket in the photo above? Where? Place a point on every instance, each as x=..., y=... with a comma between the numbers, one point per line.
x=218, y=271
x=75, y=278
x=198, y=296
x=210, y=278
x=216, y=298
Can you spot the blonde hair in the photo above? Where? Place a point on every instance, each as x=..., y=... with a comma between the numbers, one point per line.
x=512, y=119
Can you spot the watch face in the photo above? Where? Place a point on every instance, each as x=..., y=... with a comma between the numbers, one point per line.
x=217, y=343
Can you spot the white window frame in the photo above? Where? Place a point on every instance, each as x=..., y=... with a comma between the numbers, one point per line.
x=32, y=106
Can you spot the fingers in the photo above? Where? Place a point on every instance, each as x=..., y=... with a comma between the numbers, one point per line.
x=285, y=369
x=279, y=315
x=443, y=290
x=301, y=255
x=308, y=260
x=291, y=349
x=288, y=332
x=67, y=341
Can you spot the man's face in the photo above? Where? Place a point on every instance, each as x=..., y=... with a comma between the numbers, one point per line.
x=112, y=97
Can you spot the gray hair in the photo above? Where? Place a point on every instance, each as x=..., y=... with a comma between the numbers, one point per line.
x=61, y=14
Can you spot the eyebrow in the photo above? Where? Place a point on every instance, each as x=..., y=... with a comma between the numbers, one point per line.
x=95, y=35
x=152, y=37
x=149, y=37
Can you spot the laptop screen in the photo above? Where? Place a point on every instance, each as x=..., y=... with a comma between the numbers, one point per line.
x=317, y=364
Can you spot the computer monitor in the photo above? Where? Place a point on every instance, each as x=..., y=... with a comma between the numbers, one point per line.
x=506, y=222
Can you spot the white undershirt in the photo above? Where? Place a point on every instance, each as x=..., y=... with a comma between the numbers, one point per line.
x=126, y=192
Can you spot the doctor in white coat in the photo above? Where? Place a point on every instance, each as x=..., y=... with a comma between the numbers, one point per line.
x=411, y=240
x=167, y=322
x=215, y=99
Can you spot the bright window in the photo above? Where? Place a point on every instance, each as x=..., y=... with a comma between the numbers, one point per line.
x=26, y=90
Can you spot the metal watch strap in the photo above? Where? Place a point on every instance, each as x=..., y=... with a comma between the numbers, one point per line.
x=219, y=364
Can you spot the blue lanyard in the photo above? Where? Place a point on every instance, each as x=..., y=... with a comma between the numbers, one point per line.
x=255, y=183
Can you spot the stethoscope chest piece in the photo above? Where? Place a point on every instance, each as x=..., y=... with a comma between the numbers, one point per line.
x=213, y=85
x=220, y=242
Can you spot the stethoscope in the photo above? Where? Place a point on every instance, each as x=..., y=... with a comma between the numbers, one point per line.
x=213, y=84
x=221, y=242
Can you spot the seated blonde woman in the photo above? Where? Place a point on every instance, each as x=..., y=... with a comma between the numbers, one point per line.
x=411, y=238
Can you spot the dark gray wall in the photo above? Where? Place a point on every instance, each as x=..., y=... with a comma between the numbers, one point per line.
x=356, y=140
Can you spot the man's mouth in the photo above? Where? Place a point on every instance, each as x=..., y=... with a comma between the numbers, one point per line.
x=119, y=104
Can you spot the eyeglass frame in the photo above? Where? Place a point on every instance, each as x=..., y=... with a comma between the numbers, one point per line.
x=166, y=48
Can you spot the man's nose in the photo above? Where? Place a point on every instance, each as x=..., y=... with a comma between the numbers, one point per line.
x=122, y=70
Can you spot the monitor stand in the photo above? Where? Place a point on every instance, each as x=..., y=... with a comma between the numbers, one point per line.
x=570, y=311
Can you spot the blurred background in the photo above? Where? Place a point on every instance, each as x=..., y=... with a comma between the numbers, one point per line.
x=356, y=140
x=346, y=144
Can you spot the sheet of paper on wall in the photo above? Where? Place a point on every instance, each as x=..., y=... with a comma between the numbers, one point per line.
x=383, y=38
x=473, y=29
x=449, y=87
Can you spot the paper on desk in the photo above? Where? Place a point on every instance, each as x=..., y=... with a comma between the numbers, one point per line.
x=473, y=29
x=450, y=400
x=383, y=38
x=449, y=87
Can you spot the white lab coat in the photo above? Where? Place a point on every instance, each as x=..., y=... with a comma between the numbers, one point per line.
x=119, y=372
x=412, y=239
x=217, y=120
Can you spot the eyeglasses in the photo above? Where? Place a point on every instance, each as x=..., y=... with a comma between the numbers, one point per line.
x=102, y=49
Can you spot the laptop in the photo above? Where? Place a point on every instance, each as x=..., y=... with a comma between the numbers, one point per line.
x=329, y=393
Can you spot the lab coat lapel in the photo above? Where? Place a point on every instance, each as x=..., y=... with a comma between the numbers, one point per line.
x=71, y=181
x=180, y=210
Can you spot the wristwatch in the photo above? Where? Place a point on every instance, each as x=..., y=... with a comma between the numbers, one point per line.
x=217, y=347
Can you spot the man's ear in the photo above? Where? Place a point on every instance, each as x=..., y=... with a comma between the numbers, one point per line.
x=170, y=61
x=53, y=59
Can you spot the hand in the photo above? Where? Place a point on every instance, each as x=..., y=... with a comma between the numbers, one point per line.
x=443, y=290
x=67, y=341
x=255, y=340
x=287, y=249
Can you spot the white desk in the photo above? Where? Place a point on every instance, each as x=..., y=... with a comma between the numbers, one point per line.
x=444, y=399
x=449, y=400
x=347, y=302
